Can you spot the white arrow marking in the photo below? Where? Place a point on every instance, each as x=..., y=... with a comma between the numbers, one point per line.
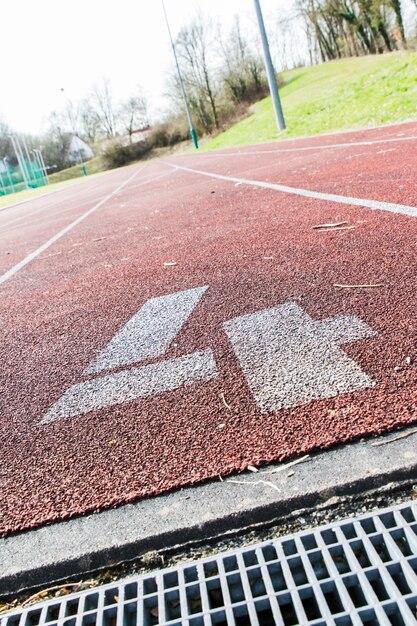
x=140, y=382
x=149, y=333
x=289, y=359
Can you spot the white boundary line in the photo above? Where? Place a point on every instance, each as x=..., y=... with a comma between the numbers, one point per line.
x=76, y=183
x=311, y=148
x=35, y=212
x=307, y=193
x=16, y=268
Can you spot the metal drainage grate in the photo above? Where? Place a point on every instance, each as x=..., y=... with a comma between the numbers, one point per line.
x=359, y=571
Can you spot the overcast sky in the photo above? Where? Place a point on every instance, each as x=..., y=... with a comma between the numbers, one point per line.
x=49, y=44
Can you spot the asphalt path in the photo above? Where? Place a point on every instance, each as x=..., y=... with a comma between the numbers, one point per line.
x=174, y=322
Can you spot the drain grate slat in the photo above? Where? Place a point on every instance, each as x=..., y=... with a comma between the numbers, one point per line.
x=358, y=572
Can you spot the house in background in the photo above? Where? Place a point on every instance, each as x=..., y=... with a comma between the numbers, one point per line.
x=76, y=147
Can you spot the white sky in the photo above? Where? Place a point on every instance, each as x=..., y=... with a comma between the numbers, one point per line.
x=49, y=44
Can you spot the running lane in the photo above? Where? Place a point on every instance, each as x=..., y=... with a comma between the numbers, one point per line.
x=196, y=328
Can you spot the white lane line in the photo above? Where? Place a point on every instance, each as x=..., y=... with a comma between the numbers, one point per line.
x=151, y=180
x=16, y=268
x=289, y=359
x=59, y=212
x=140, y=382
x=309, y=148
x=39, y=212
x=307, y=193
x=45, y=196
x=149, y=333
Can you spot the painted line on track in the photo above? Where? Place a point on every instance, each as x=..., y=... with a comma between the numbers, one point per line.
x=309, y=148
x=52, y=193
x=16, y=268
x=308, y=193
x=38, y=213
x=40, y=210
x=151, y=180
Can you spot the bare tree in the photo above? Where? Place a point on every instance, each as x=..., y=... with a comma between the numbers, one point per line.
x=5, y=143
x=56, y=143
x=89, y=121
x=243, y=72
x=193, y=44
x=103, y=100
x=134, y=113
x=353, y=27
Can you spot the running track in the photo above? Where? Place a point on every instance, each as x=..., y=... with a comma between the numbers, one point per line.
x=257, y=356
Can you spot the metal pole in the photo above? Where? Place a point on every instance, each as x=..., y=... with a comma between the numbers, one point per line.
x=184, y=95
x=30, y=166
x=6, y=165
x=22, y=157
x=74, y=134
x=270, y=72
x=43, y=166
x=19, y=159
x=38, y=164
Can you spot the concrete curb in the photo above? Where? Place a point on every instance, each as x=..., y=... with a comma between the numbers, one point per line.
x=201, y=513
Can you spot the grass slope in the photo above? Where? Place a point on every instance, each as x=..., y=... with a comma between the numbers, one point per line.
x=351, y=93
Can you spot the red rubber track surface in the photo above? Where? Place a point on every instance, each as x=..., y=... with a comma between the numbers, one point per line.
x=62, y=308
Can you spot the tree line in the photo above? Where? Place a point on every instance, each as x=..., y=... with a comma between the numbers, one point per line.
x=223, y=73
x=345, y=28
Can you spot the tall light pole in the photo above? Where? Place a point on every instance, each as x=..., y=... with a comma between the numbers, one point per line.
x=270, y=72
x=74, y=133
x=184, y=95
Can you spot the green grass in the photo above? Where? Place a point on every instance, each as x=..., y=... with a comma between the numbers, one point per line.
x=93, y=166
x=351, y=93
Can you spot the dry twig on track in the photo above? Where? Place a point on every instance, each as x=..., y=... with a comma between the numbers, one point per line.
x=48, y=256
x=330, y=225
x=332, y=230
x=224, y=402
x=370, y=286
x=282, y=468
x=402, y=436
x=255, y=482
x=42, y=594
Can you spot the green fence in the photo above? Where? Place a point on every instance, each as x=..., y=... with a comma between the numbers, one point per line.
x=13, y=179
